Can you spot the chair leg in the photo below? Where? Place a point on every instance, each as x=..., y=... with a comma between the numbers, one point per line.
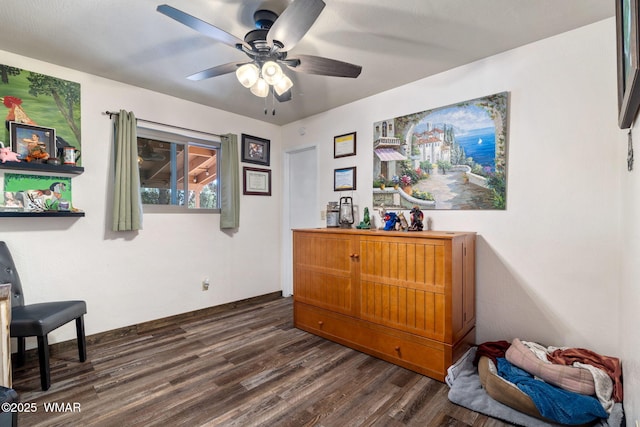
x=82, y=341
x=22, y=351
x=43, y=356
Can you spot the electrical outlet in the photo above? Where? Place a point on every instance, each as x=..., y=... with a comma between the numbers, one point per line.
x=205, y=284
x=323, y=215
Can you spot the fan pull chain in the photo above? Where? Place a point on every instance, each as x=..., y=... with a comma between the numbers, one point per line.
x=273, y=102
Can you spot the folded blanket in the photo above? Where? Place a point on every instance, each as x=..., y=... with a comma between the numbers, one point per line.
x=611, y=365
x=604, y=386
x=554, y=403
x=577, y=380
x=492, y=350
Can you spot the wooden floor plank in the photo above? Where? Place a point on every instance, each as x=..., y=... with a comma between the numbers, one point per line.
x=245, y=365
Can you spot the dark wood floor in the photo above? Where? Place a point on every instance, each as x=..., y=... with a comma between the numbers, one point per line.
x=245, y=366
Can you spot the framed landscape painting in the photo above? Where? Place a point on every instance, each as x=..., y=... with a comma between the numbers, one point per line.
x=451, y=157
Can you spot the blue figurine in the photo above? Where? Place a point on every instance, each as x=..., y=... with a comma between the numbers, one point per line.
x=390, y=221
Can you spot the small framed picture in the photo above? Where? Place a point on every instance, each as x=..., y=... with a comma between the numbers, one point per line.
x=256, y=182
x=344, y=145
x=255, y=150
x=33, y=143
x=344, y=179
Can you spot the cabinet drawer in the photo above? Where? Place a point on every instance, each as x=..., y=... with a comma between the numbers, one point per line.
x=419, y=354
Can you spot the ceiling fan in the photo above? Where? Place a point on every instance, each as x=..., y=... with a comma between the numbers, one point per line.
x=268, y=46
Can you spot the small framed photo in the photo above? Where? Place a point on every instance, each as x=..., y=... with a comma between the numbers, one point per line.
x=35, y=143
x=255, y=150
x=256, y=182
x=344, y=179
x=344, y=145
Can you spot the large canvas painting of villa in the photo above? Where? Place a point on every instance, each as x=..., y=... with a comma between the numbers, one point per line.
x=451, y=157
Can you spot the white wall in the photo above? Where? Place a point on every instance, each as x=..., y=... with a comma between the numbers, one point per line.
x=630, y=288
x=127, y=278
x=549, y=266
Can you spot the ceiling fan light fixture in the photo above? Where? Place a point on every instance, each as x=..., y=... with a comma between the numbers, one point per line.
x=283, y=85
x=260, y=88
x=248, y=75
x=271, y=72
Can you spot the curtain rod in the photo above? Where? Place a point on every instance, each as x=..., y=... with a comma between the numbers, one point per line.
x=113, y=113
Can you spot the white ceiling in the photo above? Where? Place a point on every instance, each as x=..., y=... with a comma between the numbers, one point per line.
x=395, y=42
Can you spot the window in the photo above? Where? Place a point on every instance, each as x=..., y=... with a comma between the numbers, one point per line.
x=178, y=173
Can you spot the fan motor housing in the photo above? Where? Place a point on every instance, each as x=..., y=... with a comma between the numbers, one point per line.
x=264, y=19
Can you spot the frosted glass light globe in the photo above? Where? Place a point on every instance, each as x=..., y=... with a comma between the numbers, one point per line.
x=248, y=74
x=261, y=88
x=271, y=72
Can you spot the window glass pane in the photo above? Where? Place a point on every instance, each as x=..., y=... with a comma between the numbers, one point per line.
x=160, y=184
x=203, y=176
x=168, y=177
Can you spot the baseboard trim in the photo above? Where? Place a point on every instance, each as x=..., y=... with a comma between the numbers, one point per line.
x=56, y=348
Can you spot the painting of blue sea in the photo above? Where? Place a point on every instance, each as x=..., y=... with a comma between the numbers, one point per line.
x=452, y=157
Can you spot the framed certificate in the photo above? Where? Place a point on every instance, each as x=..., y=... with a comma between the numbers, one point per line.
x=256, y=182
x=344, y=145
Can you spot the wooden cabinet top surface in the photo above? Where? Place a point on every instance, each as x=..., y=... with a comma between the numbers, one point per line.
x=374, y=232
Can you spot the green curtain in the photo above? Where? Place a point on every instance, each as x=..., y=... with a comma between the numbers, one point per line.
x=127, y=202
x=229, y=185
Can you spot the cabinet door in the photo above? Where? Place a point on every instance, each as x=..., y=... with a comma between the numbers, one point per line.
x=322, y=274
x=403, y=283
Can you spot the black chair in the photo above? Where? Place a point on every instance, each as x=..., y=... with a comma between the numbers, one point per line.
x=39, y=319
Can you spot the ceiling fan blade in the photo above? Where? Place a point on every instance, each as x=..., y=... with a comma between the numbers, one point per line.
x=284, y=97
x=294, y=22
x=231, y=67
x=200, y=26
x=324, y=66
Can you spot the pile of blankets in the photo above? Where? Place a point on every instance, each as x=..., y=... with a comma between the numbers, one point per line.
x=567, y=385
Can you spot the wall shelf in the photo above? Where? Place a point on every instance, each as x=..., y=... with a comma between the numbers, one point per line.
x=42, y=167
x=51, y=214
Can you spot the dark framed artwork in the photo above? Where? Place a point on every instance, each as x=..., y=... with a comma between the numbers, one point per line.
x=344, y=145
x=344, y=179
x=255, y=150
x=256, y=182
x=35, y=142
x=628, y=66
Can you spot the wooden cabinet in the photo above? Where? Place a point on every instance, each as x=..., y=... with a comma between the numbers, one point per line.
x=408, y=298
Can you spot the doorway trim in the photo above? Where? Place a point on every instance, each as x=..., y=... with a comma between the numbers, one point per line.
x=287, y=249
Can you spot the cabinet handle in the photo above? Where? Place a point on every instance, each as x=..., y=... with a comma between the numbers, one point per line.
x=320, y=323
x=397, y=348
x=354, y=256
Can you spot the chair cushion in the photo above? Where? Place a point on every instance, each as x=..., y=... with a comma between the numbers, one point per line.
x=40, y=319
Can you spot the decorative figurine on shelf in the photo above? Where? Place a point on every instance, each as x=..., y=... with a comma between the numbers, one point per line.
x=6, y=155
x=417, y=217
x=382, y=212
x=403, y=224
x=365, y=224
x=390, y=219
